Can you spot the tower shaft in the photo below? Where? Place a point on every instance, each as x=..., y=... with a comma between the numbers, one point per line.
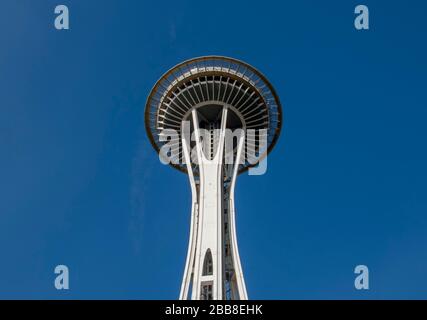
x=213, y=270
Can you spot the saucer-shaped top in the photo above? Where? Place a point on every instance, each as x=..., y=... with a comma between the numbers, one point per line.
x=208, y=84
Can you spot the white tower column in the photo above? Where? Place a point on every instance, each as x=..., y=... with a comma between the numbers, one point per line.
x=213, y=269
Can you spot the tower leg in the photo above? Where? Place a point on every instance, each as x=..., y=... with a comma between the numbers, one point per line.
x=212, y=233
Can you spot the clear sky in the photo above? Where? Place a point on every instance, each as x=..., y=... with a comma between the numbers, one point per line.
x=80, y=184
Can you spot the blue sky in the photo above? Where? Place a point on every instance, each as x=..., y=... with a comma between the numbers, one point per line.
x=81, y=186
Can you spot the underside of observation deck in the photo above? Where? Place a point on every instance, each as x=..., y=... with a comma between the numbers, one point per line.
x=208, y=84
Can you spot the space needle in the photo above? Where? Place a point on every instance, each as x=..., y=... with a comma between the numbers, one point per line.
x=201, y=103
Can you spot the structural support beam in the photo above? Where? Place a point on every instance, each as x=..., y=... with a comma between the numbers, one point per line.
x=213, y=265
